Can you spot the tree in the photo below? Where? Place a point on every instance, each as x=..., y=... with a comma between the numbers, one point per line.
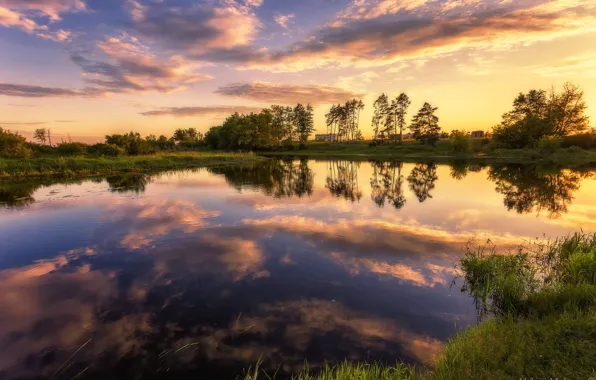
x=425, y=125
x=40, y=135
x=304, y=122
x=13, y=145
x=566, y=111
x=538, y=114
x=399, y=107
x=380, y=112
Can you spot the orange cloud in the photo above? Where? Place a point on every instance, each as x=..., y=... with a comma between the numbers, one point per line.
x=387, y=32
x=287, y=93
x=197, y=28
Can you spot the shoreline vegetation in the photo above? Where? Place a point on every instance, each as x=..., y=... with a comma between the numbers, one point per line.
x=537, y=313
x=86, y=166
x=543, y=127
x=411, y=151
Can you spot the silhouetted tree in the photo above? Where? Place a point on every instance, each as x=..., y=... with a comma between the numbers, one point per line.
x=538, y=114
x=40, y=135
x=425, y=125
x=399, y=108
x=380, y=114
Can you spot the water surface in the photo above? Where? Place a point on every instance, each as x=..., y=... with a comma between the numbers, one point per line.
x=200, y=273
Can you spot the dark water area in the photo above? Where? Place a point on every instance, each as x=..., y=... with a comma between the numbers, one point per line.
x=199, y=274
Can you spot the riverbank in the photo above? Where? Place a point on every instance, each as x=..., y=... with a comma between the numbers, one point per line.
x=84, y=166
x=442, y=152
x=538, y=307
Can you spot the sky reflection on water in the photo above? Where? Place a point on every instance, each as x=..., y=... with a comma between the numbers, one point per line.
x=205, y=271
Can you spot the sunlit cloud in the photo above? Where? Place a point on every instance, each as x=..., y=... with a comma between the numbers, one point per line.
x=284, y=20
x=584, y=64
x=213, y=112
x=10, y=18
x=199, y=27
x=287, y=93
x=28, y=91
x=135, y=68
x=49, y=8
x=385, y=35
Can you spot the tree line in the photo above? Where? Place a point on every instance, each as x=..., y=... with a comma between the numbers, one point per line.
x=272, y=128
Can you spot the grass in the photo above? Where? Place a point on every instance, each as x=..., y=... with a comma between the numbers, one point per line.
x=81, y=166
x=443, y=151
x=538, y=319
x=344, y=371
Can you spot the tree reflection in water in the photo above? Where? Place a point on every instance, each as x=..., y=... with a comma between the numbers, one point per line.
x=387, y=183
x=277, y=178
x=528, y=188
x=131, y=182
x=342, y=180
x=422, y=180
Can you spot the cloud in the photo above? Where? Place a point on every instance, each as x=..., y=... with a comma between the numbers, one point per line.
x=287, y=93
x=49, y=8
x=129, y=67
x=207, y=111
x=27, y=91
x=284, y=20
x=585, y=63
x=196, y=28
x=14, y=19
x=388, y=32
x=135, y=68
x=23, y=123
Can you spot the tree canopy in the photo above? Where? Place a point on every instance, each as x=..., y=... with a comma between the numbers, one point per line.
x=539, y=113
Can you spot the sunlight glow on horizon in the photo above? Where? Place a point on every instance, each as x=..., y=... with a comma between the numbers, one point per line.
x=249, y=57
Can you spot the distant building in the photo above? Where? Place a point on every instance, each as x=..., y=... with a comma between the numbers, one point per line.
x=477, y=134
x=326, y=137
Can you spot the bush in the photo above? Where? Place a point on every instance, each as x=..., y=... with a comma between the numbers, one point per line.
x=13, y=145
x=549, y=144
x=110, y=150
x=582, y=140
x=460, y=142
x=72, y=149
x=288, y=145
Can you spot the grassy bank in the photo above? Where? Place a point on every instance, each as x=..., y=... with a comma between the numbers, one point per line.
x=81, y=166
x=443, y=151
x=538, y=307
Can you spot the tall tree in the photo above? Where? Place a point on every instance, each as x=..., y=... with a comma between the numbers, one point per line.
x=304, y=122
x=425, y=125
x=380, y=111
x=400, y=109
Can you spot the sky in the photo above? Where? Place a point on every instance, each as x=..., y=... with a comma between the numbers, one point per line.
x=86, y=68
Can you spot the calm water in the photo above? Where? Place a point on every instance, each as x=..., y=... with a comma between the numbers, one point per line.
x=199, y=274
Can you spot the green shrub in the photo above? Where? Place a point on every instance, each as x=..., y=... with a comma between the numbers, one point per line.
x=72, y=149
x=582, y=140
x=460, y=142
x=110, y=150
x=13, y=145
x=549, y=144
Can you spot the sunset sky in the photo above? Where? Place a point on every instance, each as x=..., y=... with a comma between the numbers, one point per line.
x=91, y=67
